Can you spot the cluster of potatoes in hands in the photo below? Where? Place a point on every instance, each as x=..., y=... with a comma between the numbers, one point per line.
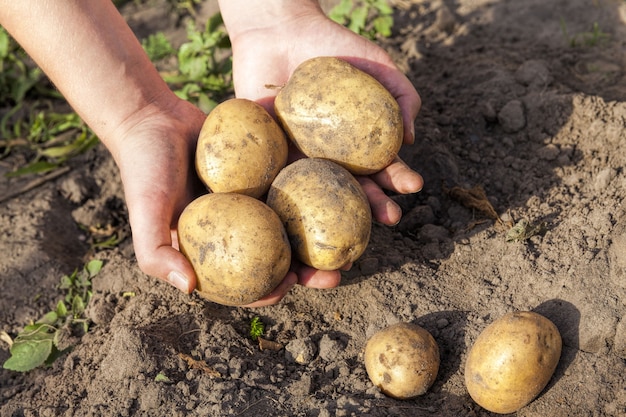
x=262, y=210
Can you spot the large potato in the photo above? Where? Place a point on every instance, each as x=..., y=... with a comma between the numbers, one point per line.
x=402, y=360
x=332, y=110
x=240, y=148
x=325, y=212
x=512, y=361
x=237, y=246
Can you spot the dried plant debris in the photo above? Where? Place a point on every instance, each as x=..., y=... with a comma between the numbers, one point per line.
x=200, y=365
x=265, y=344
x=524, y=230
x=474, y=198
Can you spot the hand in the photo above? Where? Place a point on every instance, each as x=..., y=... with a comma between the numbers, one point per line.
x=269, y=55
x=157, y=170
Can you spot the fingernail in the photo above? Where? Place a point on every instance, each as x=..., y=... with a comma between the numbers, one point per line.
x=412, y=131
x=179, y=280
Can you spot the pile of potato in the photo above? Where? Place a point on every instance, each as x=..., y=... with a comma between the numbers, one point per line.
x=507, y=367
x=261, y=211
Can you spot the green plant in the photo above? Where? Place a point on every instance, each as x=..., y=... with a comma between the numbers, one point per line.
x=18, y=77
x=50, y=138
x=27, y=120
x=185, y=6
x=157, y=46
x=369, y=18
x=585, y=39
x=204, y=75
x=257, y=328
x=43, y=341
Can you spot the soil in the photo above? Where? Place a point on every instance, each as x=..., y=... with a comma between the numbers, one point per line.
x=519, y=99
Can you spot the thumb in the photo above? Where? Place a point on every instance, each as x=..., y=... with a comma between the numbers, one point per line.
x=155, y=249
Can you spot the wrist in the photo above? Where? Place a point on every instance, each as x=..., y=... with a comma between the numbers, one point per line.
x=242, y=16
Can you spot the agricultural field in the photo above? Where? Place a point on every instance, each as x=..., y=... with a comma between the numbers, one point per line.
x=521, y=142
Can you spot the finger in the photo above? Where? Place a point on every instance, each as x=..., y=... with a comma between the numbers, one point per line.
x=399, y=177
x=410, y=104
x=314, y=278
x=278, y=293
x=384, y=209
x=154, y=248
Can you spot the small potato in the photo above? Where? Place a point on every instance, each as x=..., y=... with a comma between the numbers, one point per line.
x=324, y=210
x=237, y=246
x=240, y=149
x=332, y=110
x=402, y=360
x=512, y=361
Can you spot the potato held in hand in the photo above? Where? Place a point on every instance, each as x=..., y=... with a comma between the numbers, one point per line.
x=332, y=110
x=512, y=361
x=237, y=246
x=240, y=149
x=402, y=360
x=325, y=212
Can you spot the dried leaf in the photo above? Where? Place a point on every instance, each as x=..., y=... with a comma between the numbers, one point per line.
x=4, y=336
x=265, y=344
x=200, y=365
x=476, y=199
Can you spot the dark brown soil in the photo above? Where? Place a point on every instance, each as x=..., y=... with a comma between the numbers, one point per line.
x=510, y=106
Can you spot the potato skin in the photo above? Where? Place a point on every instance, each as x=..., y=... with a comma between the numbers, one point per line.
x=240, y=149
x=325, y=212
x=332, y=110
x=402, y=360
x=237, y=246
x=512, y=361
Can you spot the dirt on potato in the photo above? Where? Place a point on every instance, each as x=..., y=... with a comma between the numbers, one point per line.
x=525, y=99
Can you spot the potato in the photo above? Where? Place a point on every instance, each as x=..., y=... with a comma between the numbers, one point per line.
x=237, y=246
x=240, y=148
x=332, y=110
x=512, y=361
x=402, y=360
x=324, y=210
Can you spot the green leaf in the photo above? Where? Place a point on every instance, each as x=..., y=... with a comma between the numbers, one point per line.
x=383, y=7
x=161, y=377
x=30, y=349
x=78, y=306
x=5, y=42
x=67, y=281
x=62, y=152
x=341, y=11
x=205, y=103
x=214, y=23
x=358, y=19
x=38, y=167
x=61, y=309
x=383, y=25
x=93, y=267
x=50, y=318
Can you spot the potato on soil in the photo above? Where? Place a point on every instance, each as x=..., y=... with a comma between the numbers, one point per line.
x=332, y=110
x=402, y=360
x=512, y=361
x=241, y=148
x=237, y=246
x=325, y=212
